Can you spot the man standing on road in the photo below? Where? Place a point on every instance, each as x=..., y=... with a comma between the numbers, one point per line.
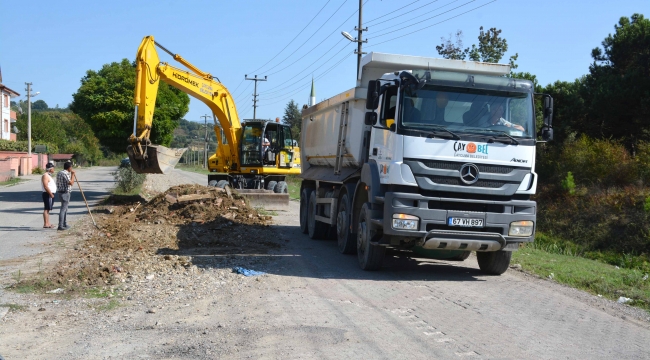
x=49, y=188
x=64, y=182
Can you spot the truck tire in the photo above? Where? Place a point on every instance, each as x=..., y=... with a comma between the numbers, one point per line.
x=213, y=183
x=494, y=263
x=316, y=229
x=370, y=256
x=304, y=209
x=347, y=242
x=271, y=185
x=281, y=188
x=461, y=257
x=222, y=183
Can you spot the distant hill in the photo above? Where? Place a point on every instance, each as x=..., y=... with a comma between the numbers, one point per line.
x=192, y=134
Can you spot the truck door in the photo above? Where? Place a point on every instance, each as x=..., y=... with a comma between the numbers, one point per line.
x=381, y=141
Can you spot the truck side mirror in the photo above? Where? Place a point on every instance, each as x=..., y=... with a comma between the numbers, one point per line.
x=371, y=118
x=372, y=97
x=547, y=134
x=548, y=110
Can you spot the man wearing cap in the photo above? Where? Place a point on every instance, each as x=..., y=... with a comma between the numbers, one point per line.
x=49, y=189
x=64, y=182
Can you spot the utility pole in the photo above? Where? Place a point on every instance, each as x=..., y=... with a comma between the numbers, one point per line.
x=254, y=93
x=29, y=120
x=359, y=40
x=205, y=144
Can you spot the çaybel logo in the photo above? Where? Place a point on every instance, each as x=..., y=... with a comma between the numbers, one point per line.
x=469, y=174
x=470, y=150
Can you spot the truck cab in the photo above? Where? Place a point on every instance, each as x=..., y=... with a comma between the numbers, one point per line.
x=444, y=153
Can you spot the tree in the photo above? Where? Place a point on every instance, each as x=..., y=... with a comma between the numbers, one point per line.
x=617, y=88
x=105, y=102
x=293, y=118
x=39, y=105
x=491, y=48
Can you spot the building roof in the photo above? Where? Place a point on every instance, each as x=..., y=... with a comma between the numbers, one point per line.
x=57, y=157
x=11, y=92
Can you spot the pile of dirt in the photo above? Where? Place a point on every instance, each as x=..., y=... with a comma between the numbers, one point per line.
x=184, y=226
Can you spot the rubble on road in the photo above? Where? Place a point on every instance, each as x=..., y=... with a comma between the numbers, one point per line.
x=184, y=227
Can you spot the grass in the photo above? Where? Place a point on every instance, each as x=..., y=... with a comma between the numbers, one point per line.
x=96, y=293
x=193, y=168
x=294, y=186
x=111, y=305
x=592, y=276
x=14, y=307
x=136, y=191
x=264, y=212
x=12, y=181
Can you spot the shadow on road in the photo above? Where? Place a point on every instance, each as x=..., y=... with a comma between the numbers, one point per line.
x=284, y=250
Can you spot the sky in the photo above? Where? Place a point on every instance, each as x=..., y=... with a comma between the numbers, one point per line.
x=53, y=43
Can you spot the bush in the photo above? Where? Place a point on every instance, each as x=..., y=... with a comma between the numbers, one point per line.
x=127, y=179
x=605, y=163
x=38, y=170
x=568, y=184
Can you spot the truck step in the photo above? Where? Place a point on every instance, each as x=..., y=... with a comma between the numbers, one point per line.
x=377, y=222
x=379, y=199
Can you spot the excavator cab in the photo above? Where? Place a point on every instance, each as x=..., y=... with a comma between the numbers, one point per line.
x=266, y=144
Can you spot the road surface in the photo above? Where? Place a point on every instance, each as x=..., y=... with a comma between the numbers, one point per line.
x=317, y=304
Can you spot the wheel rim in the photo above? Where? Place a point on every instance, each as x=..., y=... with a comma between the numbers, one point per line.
x=303, y=210
x=341, y=221
x=361, y=237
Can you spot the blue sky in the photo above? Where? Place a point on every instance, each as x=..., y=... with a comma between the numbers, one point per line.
x=52, y=44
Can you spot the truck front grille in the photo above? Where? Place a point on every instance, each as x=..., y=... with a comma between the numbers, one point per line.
x=443, y=180
x=453, y=165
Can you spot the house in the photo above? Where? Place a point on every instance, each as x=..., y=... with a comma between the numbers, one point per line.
x=6, y=115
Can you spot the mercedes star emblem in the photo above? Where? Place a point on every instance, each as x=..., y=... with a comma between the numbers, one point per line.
x=469, y=174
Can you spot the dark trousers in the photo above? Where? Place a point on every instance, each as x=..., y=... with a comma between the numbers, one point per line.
x=65, y=200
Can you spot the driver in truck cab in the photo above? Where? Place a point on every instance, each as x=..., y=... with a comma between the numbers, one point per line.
x=496, y=117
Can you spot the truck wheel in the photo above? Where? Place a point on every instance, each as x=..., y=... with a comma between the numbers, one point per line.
x=494, y=263
x=316, y=229
x=304, y=209
x=281, y=188
x=370, y=256
x=222, y=183
x=461, y=257
x=213, y=183
x=347, y=242
x=271, y=185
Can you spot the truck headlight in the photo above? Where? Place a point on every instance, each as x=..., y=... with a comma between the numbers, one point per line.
x=521, y=228
x=405, y=222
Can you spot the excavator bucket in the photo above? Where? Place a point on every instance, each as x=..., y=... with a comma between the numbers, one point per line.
x=158, y=159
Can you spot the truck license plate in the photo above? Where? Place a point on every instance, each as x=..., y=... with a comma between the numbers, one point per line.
x=465, y=222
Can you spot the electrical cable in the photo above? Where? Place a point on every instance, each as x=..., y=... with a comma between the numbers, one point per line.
x=453, y=17
x=312, y=35
x=292, y=79
x=294, y=38
x=408, y=12
x=389, y=13
x=427, y=19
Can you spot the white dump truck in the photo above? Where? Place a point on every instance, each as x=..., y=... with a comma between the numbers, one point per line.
x=428, y=154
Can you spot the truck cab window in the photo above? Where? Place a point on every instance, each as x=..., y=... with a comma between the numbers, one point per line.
x=388, y=107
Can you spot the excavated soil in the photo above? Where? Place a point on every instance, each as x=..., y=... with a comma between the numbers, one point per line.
x=135, y=240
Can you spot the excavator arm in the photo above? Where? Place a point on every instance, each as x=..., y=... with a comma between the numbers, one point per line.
x=148, y=158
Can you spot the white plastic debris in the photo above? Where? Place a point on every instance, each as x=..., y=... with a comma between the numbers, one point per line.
x=616, y=267
x=550, y=277
x=623, y=300
x=56, y=291
x=600, y=295
x=645, y=277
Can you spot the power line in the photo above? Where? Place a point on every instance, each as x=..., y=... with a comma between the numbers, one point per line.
x=321, y=42
x=426, y=27
x=292, y=79
x=391, y=12
x=427, y=19
x=408, y=12
x=294, y=38
x=312, y=35
x=232, y=92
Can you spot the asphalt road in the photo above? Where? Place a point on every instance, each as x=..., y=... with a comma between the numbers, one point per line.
x=21, y=206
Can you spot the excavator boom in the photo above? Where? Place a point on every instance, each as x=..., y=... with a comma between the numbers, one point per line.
x=156, y=159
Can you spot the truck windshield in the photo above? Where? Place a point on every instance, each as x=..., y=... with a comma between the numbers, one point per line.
x=468, y=111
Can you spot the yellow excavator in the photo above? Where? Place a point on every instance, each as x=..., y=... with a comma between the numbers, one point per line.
x=253, y=156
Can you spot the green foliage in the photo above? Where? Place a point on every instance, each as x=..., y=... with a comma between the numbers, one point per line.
x=192, y=133
x=7, y=145
x=491, y=48
x=646, y=205
x=293, y=118
x=617, y=89
x=568, y=184
x=38, y=170
x=605, y=163
x=39, y=105
x=105, y=102
x=127, y=179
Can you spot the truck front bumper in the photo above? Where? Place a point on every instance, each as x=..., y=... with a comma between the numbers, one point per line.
x=434, y=232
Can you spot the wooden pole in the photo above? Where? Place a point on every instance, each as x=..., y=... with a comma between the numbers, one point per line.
x=84, y=196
